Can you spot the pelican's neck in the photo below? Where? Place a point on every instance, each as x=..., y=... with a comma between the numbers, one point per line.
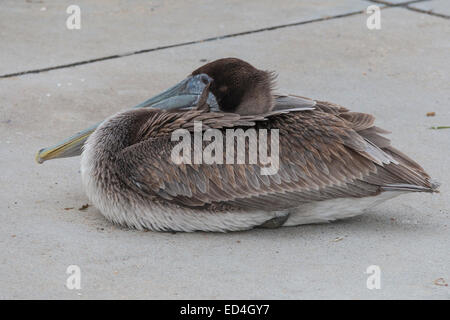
x=102, y=172
x=116, y=133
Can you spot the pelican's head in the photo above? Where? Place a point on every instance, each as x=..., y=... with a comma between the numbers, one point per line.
x=234, y=86
x=239, y=87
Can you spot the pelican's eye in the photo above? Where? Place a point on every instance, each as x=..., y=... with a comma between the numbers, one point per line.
x=205, y=79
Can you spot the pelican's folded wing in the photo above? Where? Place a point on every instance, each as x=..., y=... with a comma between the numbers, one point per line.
x=324, y=153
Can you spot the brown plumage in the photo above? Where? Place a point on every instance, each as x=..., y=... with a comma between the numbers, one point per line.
x=327, y=153
x=324, y=153
x=239, y=87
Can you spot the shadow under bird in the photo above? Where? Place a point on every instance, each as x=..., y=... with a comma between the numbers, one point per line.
x=333, y=163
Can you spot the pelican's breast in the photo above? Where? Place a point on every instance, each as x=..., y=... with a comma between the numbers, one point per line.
x=103, y=180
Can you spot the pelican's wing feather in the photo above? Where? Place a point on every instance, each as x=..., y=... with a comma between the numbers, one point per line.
x=324, y=153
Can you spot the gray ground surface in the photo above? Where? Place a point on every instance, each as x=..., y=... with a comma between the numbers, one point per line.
x=398, y=73
x=441, y=7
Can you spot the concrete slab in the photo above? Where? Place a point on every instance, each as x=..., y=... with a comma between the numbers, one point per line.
x=37, y=36
x=435, y=6
x=390, y=1
x=398, y=73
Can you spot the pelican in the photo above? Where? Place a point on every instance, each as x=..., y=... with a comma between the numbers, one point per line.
x=332, y=163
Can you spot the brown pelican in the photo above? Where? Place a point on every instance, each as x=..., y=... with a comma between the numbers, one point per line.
x=333, y=163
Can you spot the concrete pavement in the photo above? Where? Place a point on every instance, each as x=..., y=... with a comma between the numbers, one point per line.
x=322, y=51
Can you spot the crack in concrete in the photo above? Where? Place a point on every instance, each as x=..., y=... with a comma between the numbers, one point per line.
x=431, y=13
x=406, y=6
x=182, y=44
x=403, y=4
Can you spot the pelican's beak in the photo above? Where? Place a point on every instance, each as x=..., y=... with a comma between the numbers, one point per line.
x=183, y=95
